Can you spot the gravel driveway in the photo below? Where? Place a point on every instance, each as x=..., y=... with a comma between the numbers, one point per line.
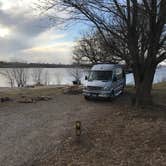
x=27, y=131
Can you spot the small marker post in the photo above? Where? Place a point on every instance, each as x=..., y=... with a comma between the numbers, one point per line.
x=78, y=128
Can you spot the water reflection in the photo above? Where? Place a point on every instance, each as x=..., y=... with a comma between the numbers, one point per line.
x=54, y=76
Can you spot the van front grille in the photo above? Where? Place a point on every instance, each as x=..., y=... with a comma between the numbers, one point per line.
x=94, y=88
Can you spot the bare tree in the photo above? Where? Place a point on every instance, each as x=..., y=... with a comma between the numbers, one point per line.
x=18, y=76
x=8, y=75
x=46, y=78
x=138, y=26
x=58, y=78
x=76, y=73
x=37, y=76
x=92, y=48
x=21, y=76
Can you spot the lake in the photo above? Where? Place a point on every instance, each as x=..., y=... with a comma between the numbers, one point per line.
x=64, y=76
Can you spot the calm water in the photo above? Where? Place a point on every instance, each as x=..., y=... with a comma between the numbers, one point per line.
x=64, y=76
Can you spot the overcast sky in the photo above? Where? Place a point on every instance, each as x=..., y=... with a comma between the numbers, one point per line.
x=27, y=36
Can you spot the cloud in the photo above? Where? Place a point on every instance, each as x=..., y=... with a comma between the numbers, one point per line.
x=60, y=47
x=49, y=36
x=25, y=36
x=23, y=23
x=54, y=53
x=4, y=31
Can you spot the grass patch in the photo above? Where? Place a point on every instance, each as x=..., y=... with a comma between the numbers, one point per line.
x=31, y=92
x=158, y=92
x=161, y=85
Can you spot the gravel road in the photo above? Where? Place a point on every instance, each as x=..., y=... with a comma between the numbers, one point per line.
x=27, y=131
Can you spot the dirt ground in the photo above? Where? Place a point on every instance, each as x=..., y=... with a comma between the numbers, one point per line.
x=113, y=133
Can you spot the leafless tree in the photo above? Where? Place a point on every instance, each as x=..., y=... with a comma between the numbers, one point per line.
x=136, y=25
x=92, y=48
x=58, y=78
x=37, y=76
x=46, y=78
x=17, y=75
x=76, y=73
x=8, y=75
x=21, y=76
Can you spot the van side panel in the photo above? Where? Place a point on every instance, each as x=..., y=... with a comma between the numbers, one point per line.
x=112, y=88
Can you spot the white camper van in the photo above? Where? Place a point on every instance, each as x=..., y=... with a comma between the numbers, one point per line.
x=104, y=80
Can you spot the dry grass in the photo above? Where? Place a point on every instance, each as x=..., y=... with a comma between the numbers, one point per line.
x=161, y=85
x=121, y=136
x=158, y=92
x=118, y=134
x=32, y=92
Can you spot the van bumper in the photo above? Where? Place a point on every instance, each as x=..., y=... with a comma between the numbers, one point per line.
x=101, y=94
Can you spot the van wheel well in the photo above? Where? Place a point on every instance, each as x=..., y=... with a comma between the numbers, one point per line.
x=112, y=93
x=86, y=97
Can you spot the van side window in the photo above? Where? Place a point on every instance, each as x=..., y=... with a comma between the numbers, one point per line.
x=119, y=73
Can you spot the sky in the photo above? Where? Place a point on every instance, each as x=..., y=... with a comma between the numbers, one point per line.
x=27, y=36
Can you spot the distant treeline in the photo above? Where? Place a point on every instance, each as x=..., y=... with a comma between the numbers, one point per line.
x=39, y=65
x=44, y=65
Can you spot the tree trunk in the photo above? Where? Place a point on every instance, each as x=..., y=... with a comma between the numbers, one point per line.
x=143, y=84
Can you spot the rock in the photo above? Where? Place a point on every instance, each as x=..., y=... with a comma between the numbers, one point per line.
x=73, y=90
x=26, y=100
x=5, y=99
x=43, y=98
x=30, y=86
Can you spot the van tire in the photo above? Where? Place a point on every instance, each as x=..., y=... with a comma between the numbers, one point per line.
x=112, y=95
x=86, y=97
x=122, y=91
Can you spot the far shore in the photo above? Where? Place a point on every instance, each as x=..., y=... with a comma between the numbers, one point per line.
x=40, y=65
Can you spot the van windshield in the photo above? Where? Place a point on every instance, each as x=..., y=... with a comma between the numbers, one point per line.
x=100, y=75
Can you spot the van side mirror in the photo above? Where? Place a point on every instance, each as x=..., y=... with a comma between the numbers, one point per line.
x=86, y=78
x=114, y=79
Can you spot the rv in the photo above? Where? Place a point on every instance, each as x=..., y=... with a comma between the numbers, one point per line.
x=105, y=81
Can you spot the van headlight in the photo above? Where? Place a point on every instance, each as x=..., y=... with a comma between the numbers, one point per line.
x=106, y=88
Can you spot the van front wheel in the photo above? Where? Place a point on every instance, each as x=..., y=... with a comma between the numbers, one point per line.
x=122, y=91
x=87, y=97
x=112, y=95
